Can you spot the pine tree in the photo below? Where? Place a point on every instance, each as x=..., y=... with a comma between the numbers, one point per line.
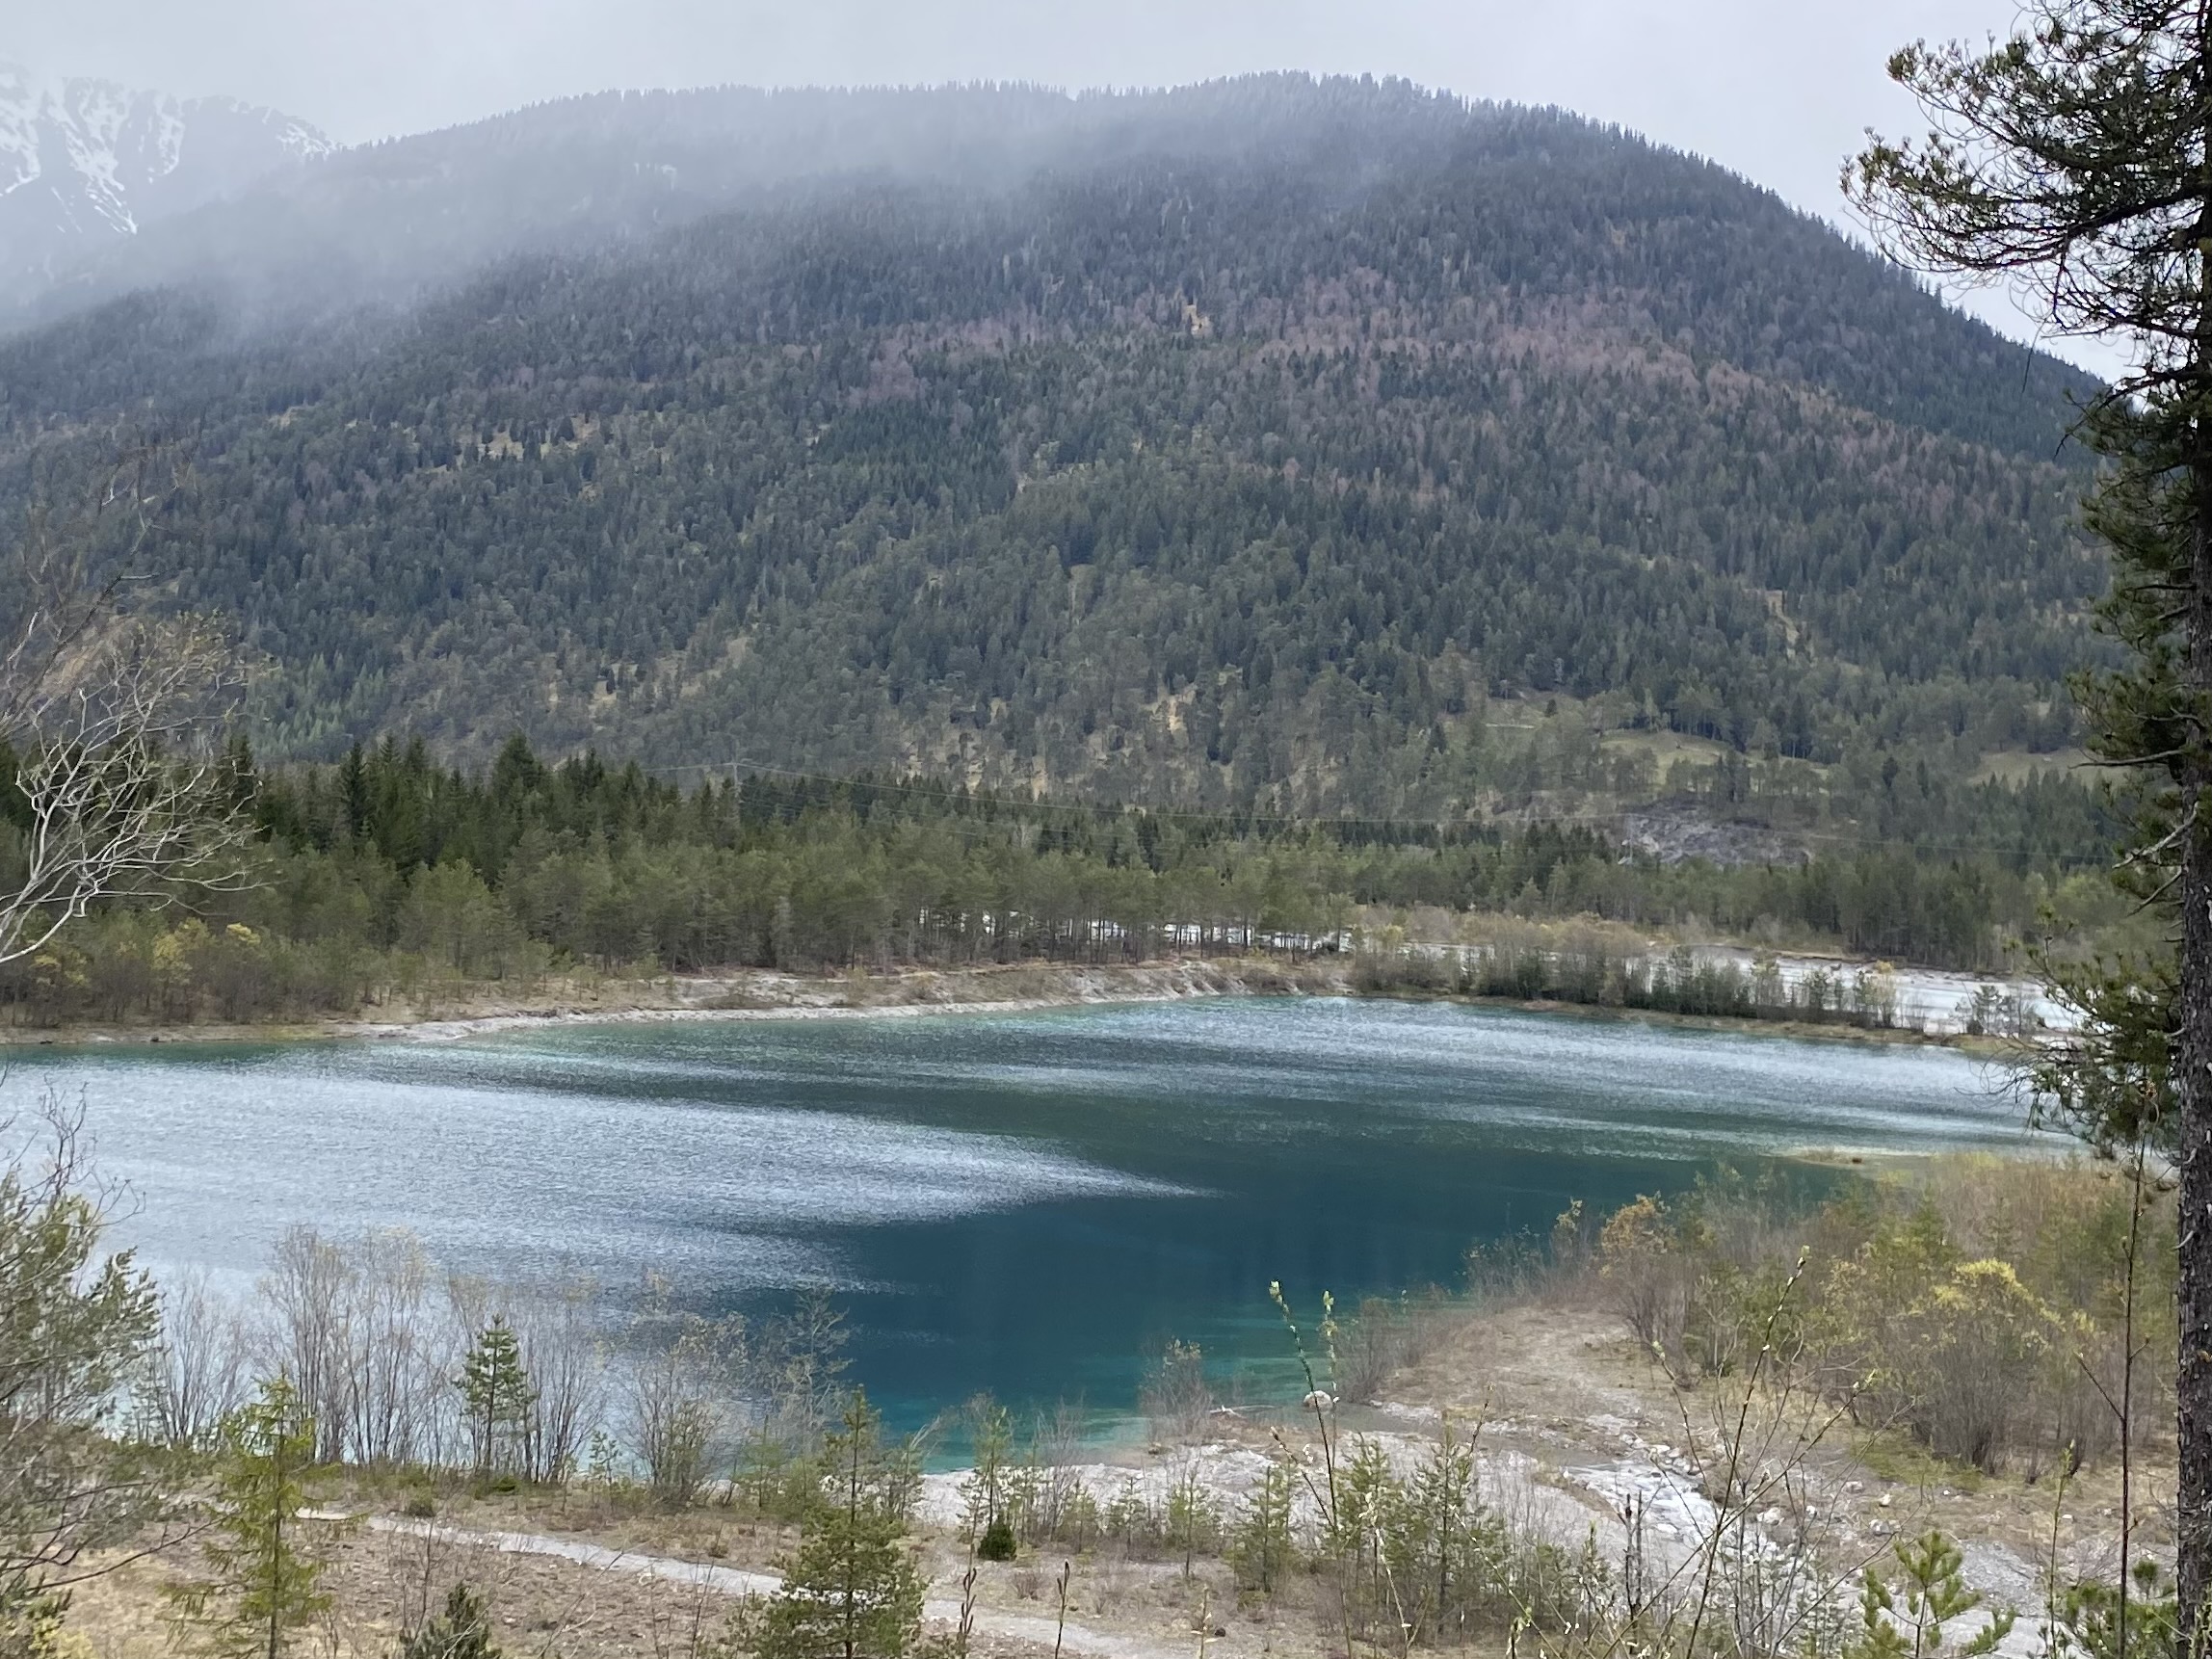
x=1263, y=1542
x=354, y=796
x=1193, y=1518
x=851, y=1590
x=496, y=1384
x=2076, y=156
x=983, y=1512
x=264, y=1582
x=462, y=1631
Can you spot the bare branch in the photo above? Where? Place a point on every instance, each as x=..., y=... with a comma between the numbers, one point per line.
x=110, y=783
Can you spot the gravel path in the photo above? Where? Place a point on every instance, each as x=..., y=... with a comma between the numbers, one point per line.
x=735, y=1582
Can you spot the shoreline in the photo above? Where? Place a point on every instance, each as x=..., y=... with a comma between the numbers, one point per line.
x=1025, y=987
x=748, y=995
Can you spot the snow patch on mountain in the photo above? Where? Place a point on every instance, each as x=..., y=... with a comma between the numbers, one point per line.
x=22, y=97
x=83, y=162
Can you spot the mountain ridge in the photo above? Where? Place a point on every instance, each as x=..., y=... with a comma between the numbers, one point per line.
x=406, y=218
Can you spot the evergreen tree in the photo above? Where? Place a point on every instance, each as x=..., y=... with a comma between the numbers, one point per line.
x=462, y=1631
x=1263, y=1544
x=2077, y=156
x=851, y=1590
x=354, y=795
x=495, y=1385
x=1194, y=1517
x=263, y=1579
x=984, y=1515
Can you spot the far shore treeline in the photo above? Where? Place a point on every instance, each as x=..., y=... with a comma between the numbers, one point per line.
x=388, y=874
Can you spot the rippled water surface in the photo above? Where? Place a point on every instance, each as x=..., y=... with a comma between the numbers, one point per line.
x=1020, y=1203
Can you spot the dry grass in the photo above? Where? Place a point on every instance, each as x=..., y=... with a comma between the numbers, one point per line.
x=380, y=1583
x=377, y=1583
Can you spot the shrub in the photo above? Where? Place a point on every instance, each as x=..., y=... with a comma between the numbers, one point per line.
x=1970, y=1344
x=1645, y=1276
x=1980, y=1305
x=1176, y=1397
x=1387, y=1334
x=462, y=1631
x=1263, y=1548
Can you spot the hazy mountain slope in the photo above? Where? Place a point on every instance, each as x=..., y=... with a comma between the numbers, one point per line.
x=394, y=221
x=389, y=220
x=1238, y=446
x=85, y=165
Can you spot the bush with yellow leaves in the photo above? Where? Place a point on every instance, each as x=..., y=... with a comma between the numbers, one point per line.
x=1978, y=1304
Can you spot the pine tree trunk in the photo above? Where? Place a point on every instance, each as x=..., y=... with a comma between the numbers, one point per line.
x=2193, y=1079
x=2193, y=1087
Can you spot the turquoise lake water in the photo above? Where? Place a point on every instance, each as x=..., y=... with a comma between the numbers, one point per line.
x=1025, y=1203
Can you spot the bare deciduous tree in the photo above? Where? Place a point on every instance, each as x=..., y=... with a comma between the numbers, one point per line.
x=795, y=1369
x=111, y=783
x=304, y=1294
x=198, y=1373
x=352, y=1323
x=1176, y=1396
x=682, y=1389
x=567, y=1369
x=397, y=1358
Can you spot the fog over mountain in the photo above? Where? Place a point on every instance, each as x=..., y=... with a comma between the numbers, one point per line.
x=391, y=222
x=1777, y=94
x=87, y=164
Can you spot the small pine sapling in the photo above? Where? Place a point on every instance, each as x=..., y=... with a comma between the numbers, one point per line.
x=495, y=1385
x=1906, y=1620
x=983, y=1494
x=1263, y=1543
x=462, y=1631
x=264, y=1581
x=851, y=1590
x=1194, y=1517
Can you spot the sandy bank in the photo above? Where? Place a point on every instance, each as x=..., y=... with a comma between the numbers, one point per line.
x=1020, y=988
x=749, y=995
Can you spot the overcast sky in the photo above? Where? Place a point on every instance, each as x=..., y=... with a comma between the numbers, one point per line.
x=1778, y=90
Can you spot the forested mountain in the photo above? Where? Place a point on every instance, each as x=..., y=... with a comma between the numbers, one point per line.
x=1245, y=444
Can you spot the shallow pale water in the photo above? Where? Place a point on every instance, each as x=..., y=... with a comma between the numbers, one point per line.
x=1022, y=1202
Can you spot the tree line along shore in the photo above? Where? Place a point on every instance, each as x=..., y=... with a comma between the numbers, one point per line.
x=387, y=882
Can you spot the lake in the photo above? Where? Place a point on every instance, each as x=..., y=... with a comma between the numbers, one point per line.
x=1022, y=1203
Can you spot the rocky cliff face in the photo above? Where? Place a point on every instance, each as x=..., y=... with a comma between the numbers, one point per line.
x=84, y=162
